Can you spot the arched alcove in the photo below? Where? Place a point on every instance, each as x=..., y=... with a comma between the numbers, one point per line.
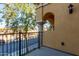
x=50, y=17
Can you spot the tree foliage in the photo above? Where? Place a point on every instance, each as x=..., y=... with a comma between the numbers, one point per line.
x=19, y=16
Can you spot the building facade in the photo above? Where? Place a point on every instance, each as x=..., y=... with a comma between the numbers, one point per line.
x=65, y=35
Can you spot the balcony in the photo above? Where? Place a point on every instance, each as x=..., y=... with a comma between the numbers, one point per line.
x=15, y=44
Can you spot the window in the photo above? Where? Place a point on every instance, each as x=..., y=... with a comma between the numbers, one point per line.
x=47, y=26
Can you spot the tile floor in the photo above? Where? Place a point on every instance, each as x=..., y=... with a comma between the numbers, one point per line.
x=43, y=51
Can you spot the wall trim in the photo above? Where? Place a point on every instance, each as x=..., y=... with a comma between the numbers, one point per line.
x=43, y=6
x=61, y=51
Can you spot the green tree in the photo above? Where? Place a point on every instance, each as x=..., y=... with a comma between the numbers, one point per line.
x=19, y=16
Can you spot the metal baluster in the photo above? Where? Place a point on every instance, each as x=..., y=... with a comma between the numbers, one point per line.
x=26, y=43
x=19, y=43
x=3, y=45
x=39, y=39
x=6, y=44
x=10, y=45
x=28, y=40
x=22, y=47
x=14, y=46
x=23, y=43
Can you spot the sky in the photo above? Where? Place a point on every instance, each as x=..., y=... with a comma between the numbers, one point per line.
x=2, y=21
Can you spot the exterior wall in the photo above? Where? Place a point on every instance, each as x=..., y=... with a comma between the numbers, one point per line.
x=66, y=28
x=39, y=14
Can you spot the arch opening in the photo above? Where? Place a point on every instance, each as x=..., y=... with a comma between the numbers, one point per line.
x=49, y=19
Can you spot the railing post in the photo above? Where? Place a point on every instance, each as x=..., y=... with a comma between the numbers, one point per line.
x=26, y=43
x=40, y=34
x=2, y=47
x=39, y=40
x=19, y=43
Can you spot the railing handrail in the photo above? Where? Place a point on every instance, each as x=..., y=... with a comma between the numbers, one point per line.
x=16, y=33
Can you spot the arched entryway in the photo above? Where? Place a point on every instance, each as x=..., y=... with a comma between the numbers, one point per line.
x=49, y=16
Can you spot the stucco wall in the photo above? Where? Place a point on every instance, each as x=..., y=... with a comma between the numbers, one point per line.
x=66, y=28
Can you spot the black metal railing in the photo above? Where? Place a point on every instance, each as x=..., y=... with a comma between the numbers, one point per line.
x=16, y=44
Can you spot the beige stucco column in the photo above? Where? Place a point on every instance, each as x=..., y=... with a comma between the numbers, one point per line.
x=40, y=35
